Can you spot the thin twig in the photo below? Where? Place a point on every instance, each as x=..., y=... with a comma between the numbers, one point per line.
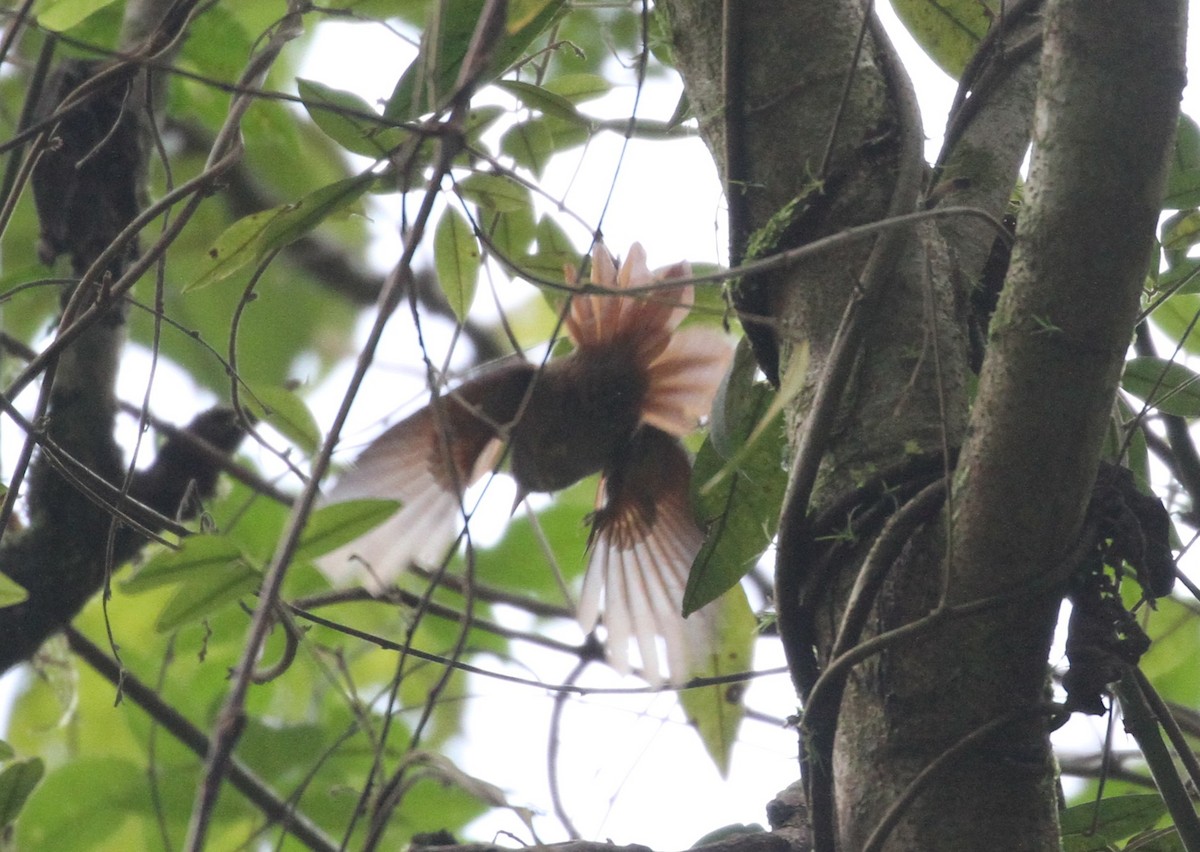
x=556, y=801
x=231, y=719
x=389, y=645
x=1142, y=725
x=166, y=716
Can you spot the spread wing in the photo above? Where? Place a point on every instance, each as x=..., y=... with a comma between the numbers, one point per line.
x=425, y=461
x=644, y=540
x=684, y=378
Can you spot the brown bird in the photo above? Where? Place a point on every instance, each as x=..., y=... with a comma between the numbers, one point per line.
x=616, y=405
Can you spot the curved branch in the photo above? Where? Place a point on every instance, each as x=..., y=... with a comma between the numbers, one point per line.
x=242, y=779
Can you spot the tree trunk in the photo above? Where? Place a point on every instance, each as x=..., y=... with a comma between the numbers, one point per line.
x=947, y=725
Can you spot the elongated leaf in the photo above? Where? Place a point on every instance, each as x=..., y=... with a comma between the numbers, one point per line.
x=1131, y=441
x=332, y=526
x=1176, y=317
x=1183, y=181
x=89, y=793
x=288, y=413
x=741, y=507
x=61, y=15
x=521, y=13
x=577, y=88
x=1168, y=386
x=1183, y=277
x=494, y=192
x=456, y=256
x=1110, y=820
x=300, y=218
x=348, y=119
x=530, y=144
x=11, y=592
x=1187, y=144
x=248, y=240
x=1182, y=231
x=511, y=234
x=948, y=30
x=792, y=384
x=437, y=66
x=16, y=783
x=554, y=252
x=215, y=588
x=195, y=556
x=545, y=101
x=237, y=247
x=716, y=711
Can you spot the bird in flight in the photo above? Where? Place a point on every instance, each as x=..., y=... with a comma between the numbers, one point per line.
x=617, y=404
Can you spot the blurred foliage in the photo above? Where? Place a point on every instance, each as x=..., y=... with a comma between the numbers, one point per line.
x=241, y=307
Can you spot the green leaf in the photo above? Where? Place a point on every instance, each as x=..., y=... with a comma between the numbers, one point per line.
x=250, y=239
x=948, y=30
x=682, y=111
x=716, y=711
x=215, y=588
x=48, y=701
x=740, y=506
x=444, y=46
x=1183, y=181
x=1156, y=840
x=1165, y=385
x=578, y=87
x=793, y=382
x=554, y=252
x=1182, y=277
x=11, y=592
x=530, y=144
x=519, y=561
x=1132, y=441
x=7, y=752
x=87, y=798
x=494, y=192
x=1090, y=825
x=1187, y=144
x=218, y=43
x=332, y=526
x=298, y=219
x=61, y=15
x=348, y=120
x=16, y=783
x=456, y=257
x=522, y=13
x=1181, y=231
x=1176, y=318
x=196, y=554
x=552, y=239
x=545, y=101
x=511, y=234
x=287, y=412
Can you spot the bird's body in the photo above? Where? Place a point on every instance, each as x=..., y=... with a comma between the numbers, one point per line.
x=581, y=412
x=615, y=405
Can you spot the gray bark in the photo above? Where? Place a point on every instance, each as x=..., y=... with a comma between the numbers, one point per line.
x=965, y=696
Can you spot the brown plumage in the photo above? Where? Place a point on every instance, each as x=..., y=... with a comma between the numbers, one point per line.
x=616, y=405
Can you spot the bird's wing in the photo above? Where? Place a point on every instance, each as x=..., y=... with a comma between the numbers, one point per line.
x=646, y=319
x=684, y=379
x=425, y=461
x=644, y=540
